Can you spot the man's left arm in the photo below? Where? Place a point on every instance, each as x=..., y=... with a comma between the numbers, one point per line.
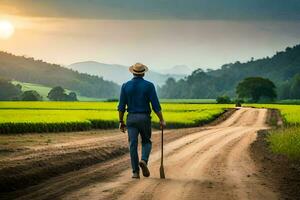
x=156, y=106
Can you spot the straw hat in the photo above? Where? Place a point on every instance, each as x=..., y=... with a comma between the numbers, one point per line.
x=138, y=68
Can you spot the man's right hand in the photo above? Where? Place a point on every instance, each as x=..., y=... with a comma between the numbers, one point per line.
x=122, y=127
x=162, y=124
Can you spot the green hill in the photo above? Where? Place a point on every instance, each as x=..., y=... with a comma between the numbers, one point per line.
x=44, y=90
x=29, y=70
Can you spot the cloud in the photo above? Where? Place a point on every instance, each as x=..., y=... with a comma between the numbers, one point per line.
x=157, y=9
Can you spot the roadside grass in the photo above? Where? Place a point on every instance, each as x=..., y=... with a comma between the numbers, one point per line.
x=285, y=140
x=24, y=117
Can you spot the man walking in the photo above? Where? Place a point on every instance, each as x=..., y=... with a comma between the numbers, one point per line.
x=137, y=94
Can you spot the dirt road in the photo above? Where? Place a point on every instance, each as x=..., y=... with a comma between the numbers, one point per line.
x=213, y=163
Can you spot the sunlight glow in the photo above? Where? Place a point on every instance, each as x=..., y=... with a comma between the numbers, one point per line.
x=6, y=29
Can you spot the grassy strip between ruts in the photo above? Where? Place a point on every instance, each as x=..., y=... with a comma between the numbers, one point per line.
x=23, y=117
x=286, y=140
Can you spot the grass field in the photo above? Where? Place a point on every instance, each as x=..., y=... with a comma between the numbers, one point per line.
x=286, y=140
x=17, y=117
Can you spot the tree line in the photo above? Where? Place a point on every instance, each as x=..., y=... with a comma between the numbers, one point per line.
x=283, y=69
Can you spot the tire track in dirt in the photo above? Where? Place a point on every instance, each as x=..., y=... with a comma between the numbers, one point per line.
x=241, y=171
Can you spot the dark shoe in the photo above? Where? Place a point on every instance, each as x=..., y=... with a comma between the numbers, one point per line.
x=145, y=169
x=136, y=175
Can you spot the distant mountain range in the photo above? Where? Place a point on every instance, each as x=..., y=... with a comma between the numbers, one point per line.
x=120, y=74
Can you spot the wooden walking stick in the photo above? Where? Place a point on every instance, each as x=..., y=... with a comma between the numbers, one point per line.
x=161, y=169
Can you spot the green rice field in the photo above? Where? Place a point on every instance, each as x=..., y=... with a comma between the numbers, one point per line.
x=289, y=113
x=18, y=117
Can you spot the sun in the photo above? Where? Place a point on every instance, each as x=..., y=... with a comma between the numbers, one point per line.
x=6, y=29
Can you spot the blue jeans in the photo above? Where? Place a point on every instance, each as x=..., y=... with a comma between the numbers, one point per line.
x=139, y=123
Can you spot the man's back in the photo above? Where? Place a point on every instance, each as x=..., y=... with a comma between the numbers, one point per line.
x=137, y=94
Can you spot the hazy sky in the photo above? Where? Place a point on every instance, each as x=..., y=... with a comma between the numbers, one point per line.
x=159, y=33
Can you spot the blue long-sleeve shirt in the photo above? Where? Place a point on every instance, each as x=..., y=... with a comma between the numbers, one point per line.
x=137, y=94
